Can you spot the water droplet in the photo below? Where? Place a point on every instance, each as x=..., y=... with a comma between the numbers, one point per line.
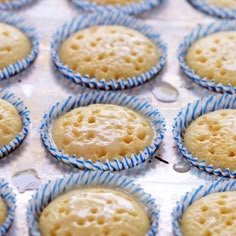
x=26, y=180
x=165, y=93
x=189, y=85
x=182, y=167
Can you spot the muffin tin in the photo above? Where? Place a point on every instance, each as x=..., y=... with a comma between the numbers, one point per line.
x=41, y=86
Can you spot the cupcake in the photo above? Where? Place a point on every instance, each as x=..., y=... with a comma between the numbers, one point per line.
x=14, y=45
x=89, y=202
x=3, y=211
x=218, y=8
x=128, y=7
x=205, y=133
x=18, y=45
x=10, y=122
x=108, y=52
x=101, y=132
x=7, y=207
x=13, y=4
x=212, y=137
x=208, y=210
x=88, y=210
x=225, y=4
x=115, y=2
x=14, y=122
x=218, y=208
x=206, y=56
x=94, y=132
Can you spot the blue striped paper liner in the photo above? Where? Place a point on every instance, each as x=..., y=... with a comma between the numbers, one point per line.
x=24, y=113
x=130, y=8
x=200, y=32
x=191, y=112
x=190, y=197
x=88, y=20
x=9, y=199
x=143, y=108
x=22, y=25
x=213, y=10
x=53, y=189
x=15, y=4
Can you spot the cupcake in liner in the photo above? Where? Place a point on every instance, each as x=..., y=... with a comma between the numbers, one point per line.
x=30, y=32
x=191, y=112
x=130, y=8
x=200, y=32
x=10, y=201
x=117, y=18
x=212, y=10
x=24, y=113
x=196, y=194
x=14, y=4
x=53, y=189
x=131, y=102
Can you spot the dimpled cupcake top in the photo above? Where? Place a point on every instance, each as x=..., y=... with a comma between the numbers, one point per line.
x=213, y=215
x=14, y=45
x=222, y=3
x=212, y=137
x=102, y=131
x=115, y=2
x=10, y=122
x=3, y=211
x=213, y=57
x=94, y=211
x=109, y=52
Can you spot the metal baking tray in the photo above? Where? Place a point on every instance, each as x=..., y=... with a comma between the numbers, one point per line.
x=40, y=87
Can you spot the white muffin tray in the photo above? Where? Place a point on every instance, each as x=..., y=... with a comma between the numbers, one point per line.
x=40, y=87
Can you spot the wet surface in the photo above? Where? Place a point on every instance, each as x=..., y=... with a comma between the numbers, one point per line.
x=165, y=93
x=41, y=87
x=182, y=167
x=26, y=180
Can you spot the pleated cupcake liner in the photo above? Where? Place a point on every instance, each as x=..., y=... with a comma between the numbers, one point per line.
x=143, y=108
x=30, y=32
x=24, y=113
x=9, y=198
x=15, y=4
x=191, y=112
x=196, y=194
x=131, y=8
x=88, y=20
x=210, y=9
x=200, y=32
x=85, y=179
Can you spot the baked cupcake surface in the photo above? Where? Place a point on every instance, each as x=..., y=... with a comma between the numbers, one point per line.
x=222, y=3
x=213, y=57
x=102, y=131
x=212, y=137
x=10, y=122
x=14, y=45
x=109, y=52
x=115, y=2
x=211, y=215
x=3, y=211
x=94, y=211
